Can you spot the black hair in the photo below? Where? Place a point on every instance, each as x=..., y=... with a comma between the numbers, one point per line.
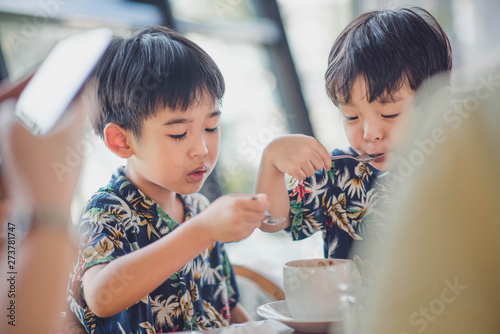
x=154, y=69
x=389, y=49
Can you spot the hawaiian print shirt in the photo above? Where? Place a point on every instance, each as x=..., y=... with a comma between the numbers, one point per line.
x=120, y=219
x=340, y=203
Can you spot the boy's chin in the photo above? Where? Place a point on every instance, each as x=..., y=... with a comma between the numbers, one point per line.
x=379, y=166
x=190, y=188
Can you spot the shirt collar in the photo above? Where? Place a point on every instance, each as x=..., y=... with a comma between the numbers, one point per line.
x=139, y=201
x=375, y=171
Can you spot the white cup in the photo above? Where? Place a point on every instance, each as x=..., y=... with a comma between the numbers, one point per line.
x=312, y=287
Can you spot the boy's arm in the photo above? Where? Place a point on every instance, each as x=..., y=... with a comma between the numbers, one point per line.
x=296, y=155
x=239, y=315
x=111, y=288
x=271, y=181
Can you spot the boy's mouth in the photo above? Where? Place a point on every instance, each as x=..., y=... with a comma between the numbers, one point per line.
x=381, y=159
x=198, y=174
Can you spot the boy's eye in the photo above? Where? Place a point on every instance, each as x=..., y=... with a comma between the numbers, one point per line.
x=350, y=118
x=178, y=137
x=212, y=129
x=390, y=116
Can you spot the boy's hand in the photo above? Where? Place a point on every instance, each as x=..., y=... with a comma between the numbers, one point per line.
x=298, y=155
x=234, y=217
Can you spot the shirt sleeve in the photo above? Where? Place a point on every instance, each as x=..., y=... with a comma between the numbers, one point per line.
x=307, y=205
x=103, y=236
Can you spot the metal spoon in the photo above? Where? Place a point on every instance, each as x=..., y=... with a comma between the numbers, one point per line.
x=270, y=220
x=361, y=158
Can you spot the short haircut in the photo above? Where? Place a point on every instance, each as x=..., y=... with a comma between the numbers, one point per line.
x=154, y=69
x=389, y=49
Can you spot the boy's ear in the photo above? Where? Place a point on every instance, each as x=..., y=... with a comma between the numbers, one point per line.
x=117, y=140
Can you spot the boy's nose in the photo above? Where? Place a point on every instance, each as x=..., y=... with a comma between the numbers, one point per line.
x=372, y=131
x=199, y=148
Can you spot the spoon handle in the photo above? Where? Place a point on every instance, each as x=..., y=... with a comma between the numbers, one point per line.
x=270, y=220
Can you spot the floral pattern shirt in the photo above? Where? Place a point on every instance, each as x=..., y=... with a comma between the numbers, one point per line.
x=120, y=219
x=341, y=203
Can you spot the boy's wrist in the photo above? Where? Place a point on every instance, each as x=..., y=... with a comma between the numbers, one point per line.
x=268, y=162
x=202, y=229
x=272, y=170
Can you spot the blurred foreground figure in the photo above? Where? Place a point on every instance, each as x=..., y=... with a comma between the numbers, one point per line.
x=438, y=268
x=36, y=243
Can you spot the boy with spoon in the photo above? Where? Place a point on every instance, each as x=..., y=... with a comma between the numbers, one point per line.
x=152, y=255
x=374, y=69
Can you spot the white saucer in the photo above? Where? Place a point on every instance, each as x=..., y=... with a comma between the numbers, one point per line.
x=279, y=311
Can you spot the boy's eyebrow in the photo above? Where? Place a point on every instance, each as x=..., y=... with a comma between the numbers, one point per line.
x=178, y=121
x=393, y=99
x=188, y=120
x=215, y=113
